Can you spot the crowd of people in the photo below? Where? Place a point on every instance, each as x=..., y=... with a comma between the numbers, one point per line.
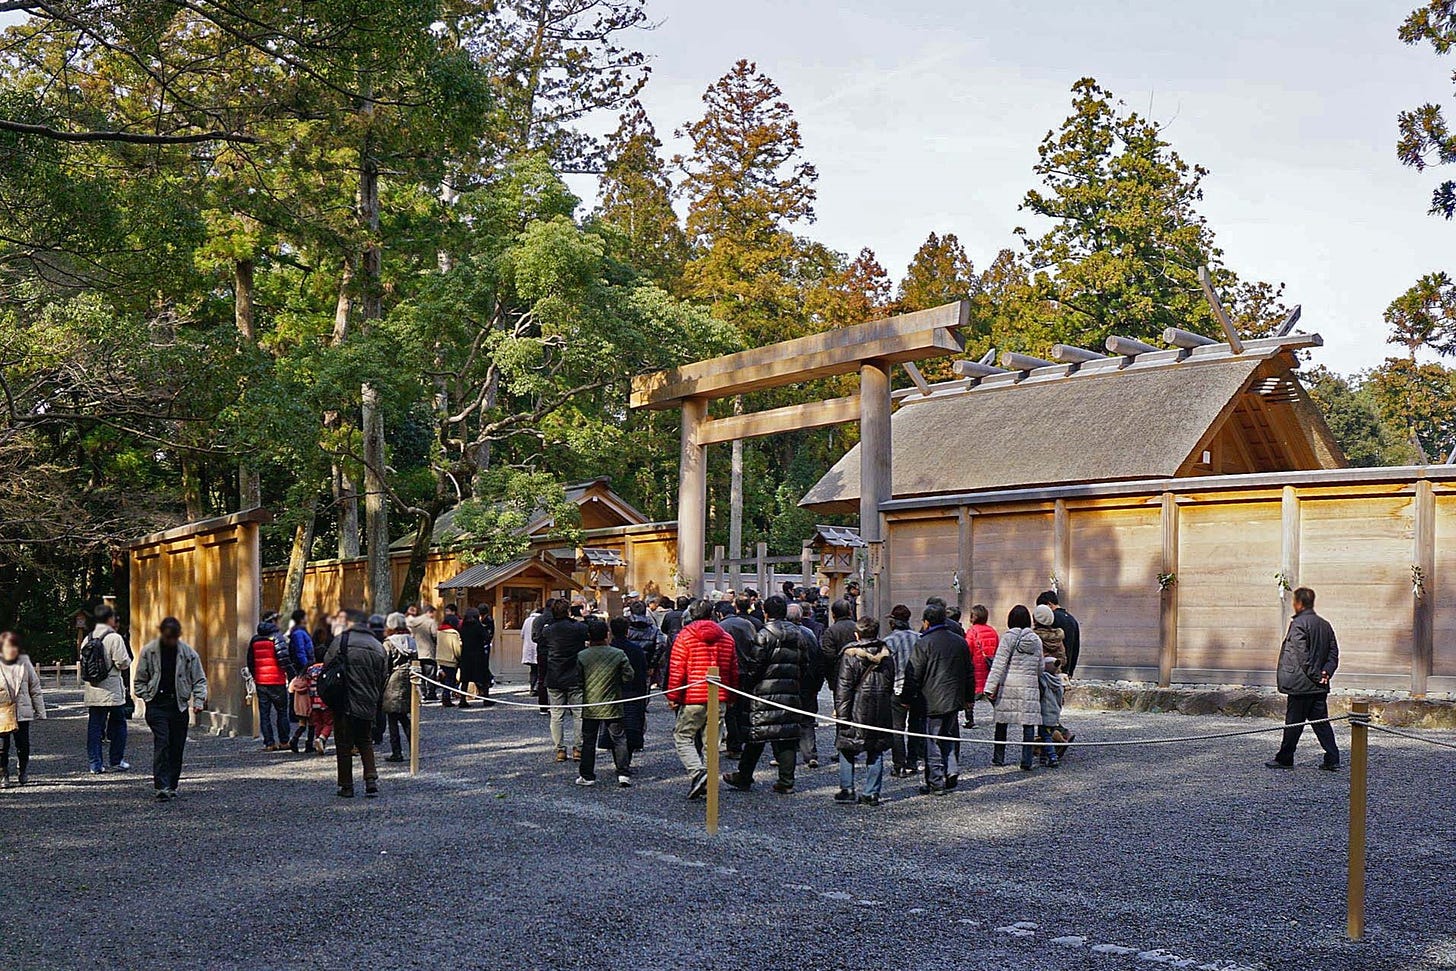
x=905, y=689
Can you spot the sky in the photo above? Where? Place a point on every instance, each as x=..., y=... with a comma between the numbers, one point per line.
x=924, y=115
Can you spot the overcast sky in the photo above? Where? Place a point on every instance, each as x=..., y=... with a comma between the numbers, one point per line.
x=925, y=115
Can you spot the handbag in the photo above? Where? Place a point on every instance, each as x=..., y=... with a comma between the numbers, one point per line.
x=9, y=709
x=333, y=680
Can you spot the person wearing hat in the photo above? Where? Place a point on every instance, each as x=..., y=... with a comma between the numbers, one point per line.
x=399, y=658
x=1053, y=645
x=269, y=662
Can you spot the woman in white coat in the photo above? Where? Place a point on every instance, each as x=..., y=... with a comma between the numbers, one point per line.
x=20, y=686
x=1014, y=686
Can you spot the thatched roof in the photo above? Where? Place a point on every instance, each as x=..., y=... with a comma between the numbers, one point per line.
x=1113, y=424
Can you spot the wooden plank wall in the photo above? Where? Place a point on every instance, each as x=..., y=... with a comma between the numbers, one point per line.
x=1225, y=615
x=209, y=581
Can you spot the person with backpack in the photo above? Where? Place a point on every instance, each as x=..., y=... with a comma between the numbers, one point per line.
x=634, y=712
x=105, y=661
x=20, y=688
x=169, y=678
x=352, y=685
x=267, y=662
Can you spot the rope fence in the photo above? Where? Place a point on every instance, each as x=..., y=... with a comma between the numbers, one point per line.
x=1358, y=719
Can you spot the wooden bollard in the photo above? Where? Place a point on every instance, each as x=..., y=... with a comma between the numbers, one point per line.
x=414, y=728
x=257, y=716
x=710, y=747
x=1359, y=764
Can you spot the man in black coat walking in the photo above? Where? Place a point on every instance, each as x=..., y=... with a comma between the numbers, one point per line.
x=364, y=667
x=939, y=679
x=1307, y=661
x=773, y=672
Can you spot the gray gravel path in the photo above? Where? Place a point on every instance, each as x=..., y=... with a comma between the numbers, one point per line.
x=1122, y=859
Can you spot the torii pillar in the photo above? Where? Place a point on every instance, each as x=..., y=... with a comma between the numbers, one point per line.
x=874, y=478
x=870, y=348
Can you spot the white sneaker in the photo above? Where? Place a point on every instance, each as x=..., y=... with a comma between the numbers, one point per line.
x=585, y=782
x=121, y=766
x=624, y=781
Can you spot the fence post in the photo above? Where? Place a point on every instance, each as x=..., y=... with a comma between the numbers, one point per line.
x=414, y=726
x=1359, y=761
x=257, y=717
x=58, y=675
x=763, y=569
x=710, y=748
x=717, y=569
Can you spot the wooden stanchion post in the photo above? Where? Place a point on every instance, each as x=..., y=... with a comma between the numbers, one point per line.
x=414, y=727
x=1359, y=761
x=710, y=747
x=257, y=716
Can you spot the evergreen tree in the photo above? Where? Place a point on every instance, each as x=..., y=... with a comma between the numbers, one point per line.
x=939, y=273
x=636, y=201
x=747, y=184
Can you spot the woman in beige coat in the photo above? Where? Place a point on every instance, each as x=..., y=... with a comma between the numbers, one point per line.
x=20, y=684
x=1014, y=685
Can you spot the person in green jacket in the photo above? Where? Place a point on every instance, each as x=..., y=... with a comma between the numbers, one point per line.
x=604, y=670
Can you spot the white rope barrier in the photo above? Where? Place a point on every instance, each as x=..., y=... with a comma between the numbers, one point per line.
x=1410, y=735
x=1180, y=739
x=421, y=679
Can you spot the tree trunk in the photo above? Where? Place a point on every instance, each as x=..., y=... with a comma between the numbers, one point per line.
x=346, y=501
x=191, y=490
x=379, y=583
x=250, y=482
x=419, y=552
x=298, y=560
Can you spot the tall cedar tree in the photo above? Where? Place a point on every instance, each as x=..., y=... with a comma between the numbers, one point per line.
x=1126, y=240
x=939, y=272
x=635, y=201
x=746, y=183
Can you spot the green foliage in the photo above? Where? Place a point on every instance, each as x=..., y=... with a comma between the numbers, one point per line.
x=1354, y=416
x=493, y=524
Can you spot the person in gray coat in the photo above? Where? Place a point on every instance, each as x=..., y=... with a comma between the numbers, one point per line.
x=1014, y=685
x=169, y=678
x=354, y=725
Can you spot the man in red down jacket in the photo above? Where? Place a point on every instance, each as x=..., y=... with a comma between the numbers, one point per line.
x=982, y=639
x=702, y=644
x=266, y=653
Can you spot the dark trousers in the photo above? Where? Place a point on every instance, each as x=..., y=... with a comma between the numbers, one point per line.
x=273, y=708
x=396, y=722
x=942, y=759
x=809, y=738
x=621, y=752
x=169, y=738
x=108, y=721
x=907, y=753
x=447, y=678
x=784, y=751
x=541, y=690
x=429, y=669
x=350, y=732
x=735, y=719
x=1028, y=752
x=21, y=740
x=1304, y=708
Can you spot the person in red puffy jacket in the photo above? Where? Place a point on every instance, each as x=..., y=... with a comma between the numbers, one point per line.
x=982, y=639
x=700, y=645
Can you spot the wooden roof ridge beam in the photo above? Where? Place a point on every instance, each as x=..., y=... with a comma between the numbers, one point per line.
x=1186, y=339
x=776, y=421
x=892, y=340
x=1127, y=346
x=1204, y=278
x=1070, y=354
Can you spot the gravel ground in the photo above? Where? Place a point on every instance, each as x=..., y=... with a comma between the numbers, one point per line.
x=1133, y=858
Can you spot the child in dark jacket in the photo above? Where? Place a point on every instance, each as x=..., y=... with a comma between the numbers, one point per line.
x=1051, y=709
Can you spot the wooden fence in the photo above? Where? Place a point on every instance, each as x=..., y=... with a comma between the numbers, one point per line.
x=1188, y=580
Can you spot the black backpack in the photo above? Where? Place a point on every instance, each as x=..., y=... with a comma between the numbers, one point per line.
x=95, y=660
x=333, y=680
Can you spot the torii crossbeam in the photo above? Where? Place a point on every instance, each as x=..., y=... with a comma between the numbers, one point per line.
x=871, y=349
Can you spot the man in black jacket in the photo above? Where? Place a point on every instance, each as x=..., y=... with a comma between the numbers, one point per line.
x=1067, y=624
x=836, y=637
x=1307, y=661
x=364, y=667
x=561, y=641
x=772, y=672
x=939, y=679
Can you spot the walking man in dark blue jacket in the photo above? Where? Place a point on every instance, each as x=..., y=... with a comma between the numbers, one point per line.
x=1307, y=661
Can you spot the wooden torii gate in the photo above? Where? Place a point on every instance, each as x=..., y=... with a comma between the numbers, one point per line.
x=871, y=348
